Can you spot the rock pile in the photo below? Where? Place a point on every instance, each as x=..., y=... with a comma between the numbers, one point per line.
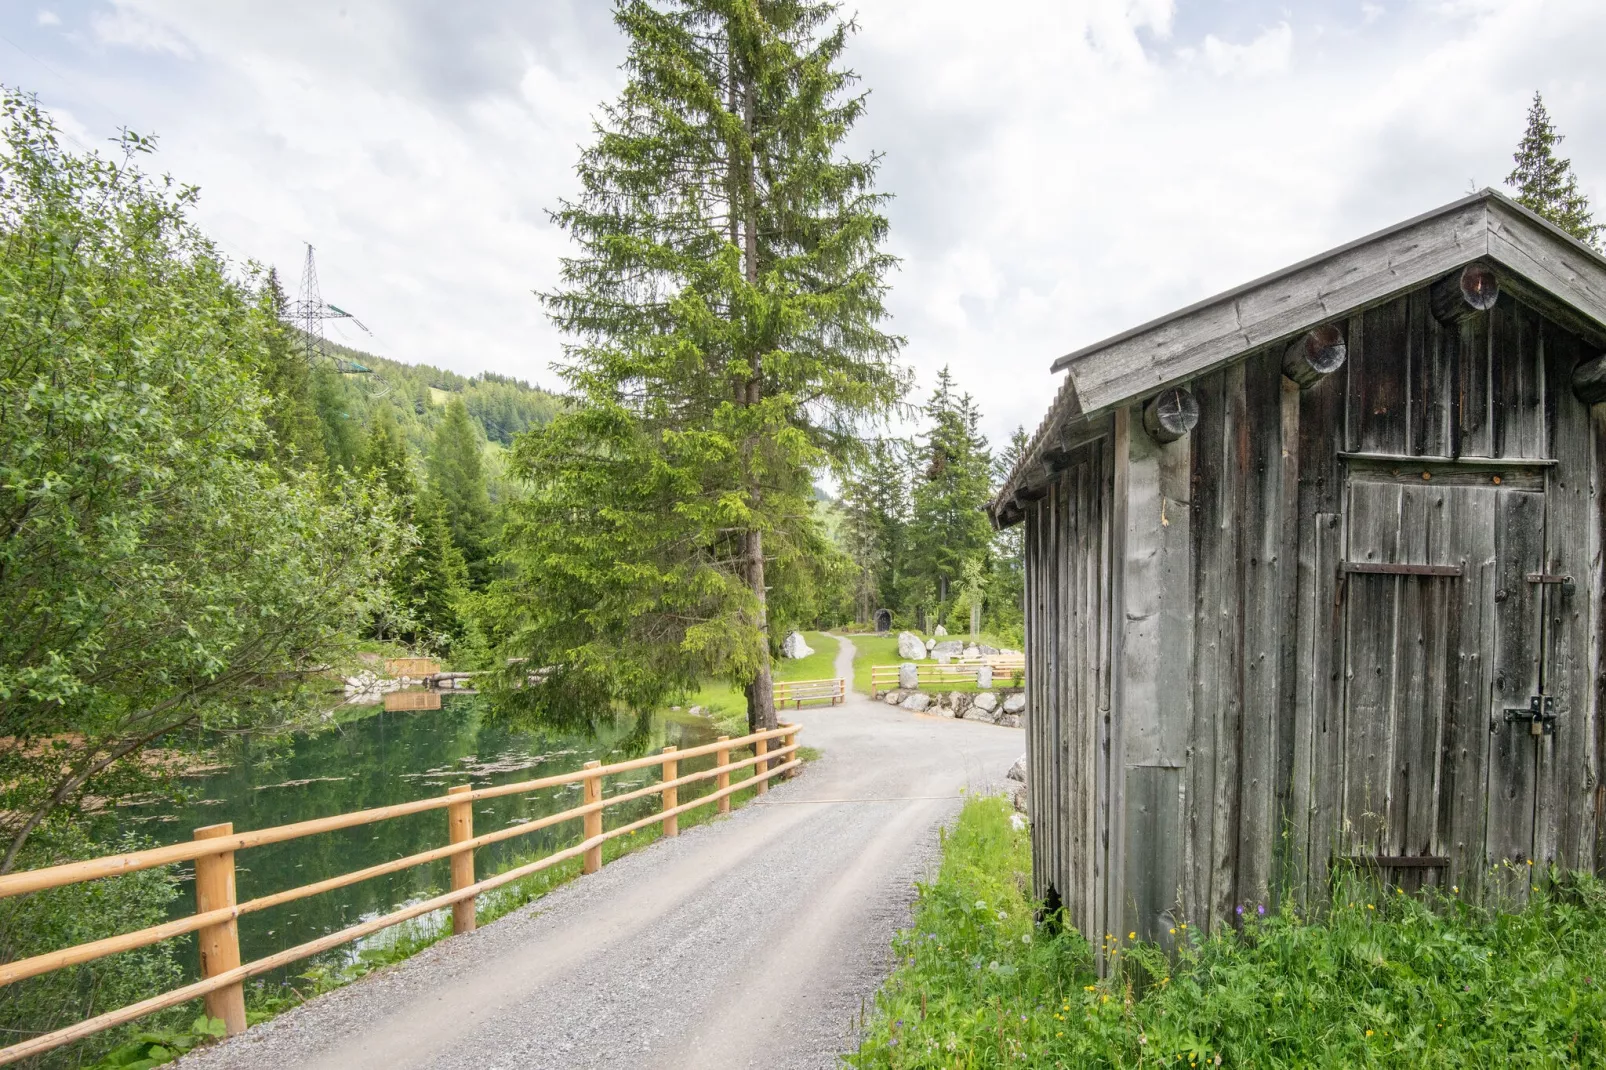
x=1007, y=710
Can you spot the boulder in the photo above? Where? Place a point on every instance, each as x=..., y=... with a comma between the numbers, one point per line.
x=1017, y=797
x=942, y=711
x=959, y=701
x=794, y=646
x=1015, y=703
x=910, y=646
x=972, y=652
x=1009, y=720
x=984, y=677
x=892, y=698
x=1018, y=770
x=929, y=644
x=948, y=648
x=939, y=630
x=985, y=702
x=908, y=676
x=987, y=651
x=942, y=659
x=917, y=701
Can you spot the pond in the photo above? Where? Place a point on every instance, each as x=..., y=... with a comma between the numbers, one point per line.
x=394, y=757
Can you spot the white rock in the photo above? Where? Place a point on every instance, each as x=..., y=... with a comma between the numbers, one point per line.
x=987, y=651
x=943, y=711
x=942, y=659
x=918, y=702
x=696, y=711
x=1018, y=770
x=1018, y=797
x=929, y=644
x=973, y=651
x=1015, y=703
x=908, y=676
x=949, y=647
x=939, y=630
x=1009, y=720
x=910, y=646
x=892, y=698
x=986, y=702
x=794, y=646
x=984, y=677
x=959, y=701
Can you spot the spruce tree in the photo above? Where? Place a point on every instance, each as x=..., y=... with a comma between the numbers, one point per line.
x=875, y=499
x=726, y=306
x=457, y=479
x=1545, y=183
x=950, y=524
x=1006, y=587
x=292, y=414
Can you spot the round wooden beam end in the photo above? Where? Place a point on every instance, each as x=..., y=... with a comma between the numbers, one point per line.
x=1315, y=355
x=1589, y=380
x=1475, y=289
x=1170, y=414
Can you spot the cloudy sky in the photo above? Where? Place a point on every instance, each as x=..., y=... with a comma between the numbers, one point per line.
x=1062, y=170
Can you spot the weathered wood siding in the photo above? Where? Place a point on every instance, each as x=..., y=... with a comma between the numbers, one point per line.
x=1068, y=545
x=1327, y=601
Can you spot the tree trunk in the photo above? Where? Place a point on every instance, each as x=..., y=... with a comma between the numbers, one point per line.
x=761, y=690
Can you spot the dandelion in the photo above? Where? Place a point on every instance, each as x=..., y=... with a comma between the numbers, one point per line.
x=1368, y=1032
x=1369, y=906
x=1132, y=936
x=1173, y=932
x=1530, y=861
x=1025, y=938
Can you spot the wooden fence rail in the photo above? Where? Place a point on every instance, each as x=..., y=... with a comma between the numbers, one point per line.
x=884, y=678
x=217, y=913
x=801, y=691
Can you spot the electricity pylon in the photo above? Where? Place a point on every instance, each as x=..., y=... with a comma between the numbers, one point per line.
x=308, y=314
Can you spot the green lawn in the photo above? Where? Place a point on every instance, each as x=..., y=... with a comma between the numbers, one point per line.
x=873, y=650
x=728, y=707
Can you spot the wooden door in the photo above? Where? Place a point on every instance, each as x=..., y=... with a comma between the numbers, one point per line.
x=1442, y=634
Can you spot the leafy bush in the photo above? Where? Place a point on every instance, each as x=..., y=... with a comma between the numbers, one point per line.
x=1377, y=980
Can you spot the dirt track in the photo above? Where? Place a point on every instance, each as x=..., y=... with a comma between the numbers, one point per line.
x=748, y=942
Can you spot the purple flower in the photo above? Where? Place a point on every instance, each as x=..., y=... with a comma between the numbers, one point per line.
x=1261, y=910
x=1240, y=911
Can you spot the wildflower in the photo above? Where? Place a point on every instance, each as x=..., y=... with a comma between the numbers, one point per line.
x=1173, y=932
x=1240, y=910
x=1261, y=909
x=1025, y=938
x=1090, y=988
x=1453, y=888
x=1530, y=861
x=1142, y=1040
x=1003, y=915
x=981, y=904
x=1132, y=936
x=1369, y=906
x=1368, y=1032
x=1184, y=925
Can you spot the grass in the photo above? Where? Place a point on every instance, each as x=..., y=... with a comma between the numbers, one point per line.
x=878, y=650
x=727, y=706
x=1378, y=980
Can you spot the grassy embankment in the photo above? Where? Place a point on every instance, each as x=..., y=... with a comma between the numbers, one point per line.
x=875, y=650
x=1379, y=980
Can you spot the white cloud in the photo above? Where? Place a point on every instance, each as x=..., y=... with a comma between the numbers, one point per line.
x=124, y=26
x=47, y=18
x=1266, y=55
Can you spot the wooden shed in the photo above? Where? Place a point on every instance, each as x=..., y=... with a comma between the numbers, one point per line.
x=1313, y=572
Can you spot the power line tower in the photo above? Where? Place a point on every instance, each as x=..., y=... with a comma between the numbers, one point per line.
x=308, y=314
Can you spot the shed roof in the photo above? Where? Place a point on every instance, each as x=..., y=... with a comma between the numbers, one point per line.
x=1535, y=259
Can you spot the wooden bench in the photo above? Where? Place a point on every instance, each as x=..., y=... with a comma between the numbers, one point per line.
x=798, y=692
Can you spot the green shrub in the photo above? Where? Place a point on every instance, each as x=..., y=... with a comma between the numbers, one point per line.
x=1378, y=980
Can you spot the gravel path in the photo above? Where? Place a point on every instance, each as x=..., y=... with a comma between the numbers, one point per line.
x=748, y=942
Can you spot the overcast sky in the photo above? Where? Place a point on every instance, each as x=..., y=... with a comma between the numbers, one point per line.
x=1062, y=170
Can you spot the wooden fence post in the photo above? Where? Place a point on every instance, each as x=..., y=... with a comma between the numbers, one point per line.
x=760, y=747
x=671, y=795
x=220, y=944
x=593, y=820
x=722, y=758
x=460, y=827
x=790, y=739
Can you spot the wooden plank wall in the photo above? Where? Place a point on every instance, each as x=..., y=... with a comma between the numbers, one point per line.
x=1239, y=773
x=1068, y=545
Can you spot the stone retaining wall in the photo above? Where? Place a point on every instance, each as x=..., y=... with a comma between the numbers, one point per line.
x=1005, y=706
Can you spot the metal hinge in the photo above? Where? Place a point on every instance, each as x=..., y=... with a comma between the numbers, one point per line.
x=1539, y=715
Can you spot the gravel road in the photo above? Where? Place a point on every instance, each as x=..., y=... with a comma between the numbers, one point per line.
x=748, y=942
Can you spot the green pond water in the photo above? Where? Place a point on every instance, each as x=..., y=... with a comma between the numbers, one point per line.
x=390, y=758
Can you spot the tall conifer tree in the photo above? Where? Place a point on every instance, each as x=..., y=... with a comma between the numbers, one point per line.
x=292, y=413
x=457, y=478
x=950, y=526
x=726, y=302
x=1545, y=182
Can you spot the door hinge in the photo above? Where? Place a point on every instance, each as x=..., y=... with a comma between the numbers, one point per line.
x=1539, y=715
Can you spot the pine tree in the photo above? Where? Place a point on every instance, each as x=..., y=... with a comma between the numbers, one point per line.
x=286, y=378
x=1006, y=587
x=457, y=478
x=1545, y=183
x=875, y=498
x=950, y=524
x=726, y=301
x=385, y=460
x=433, y=579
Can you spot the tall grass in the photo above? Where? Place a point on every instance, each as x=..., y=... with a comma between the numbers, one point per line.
x=1377, y=980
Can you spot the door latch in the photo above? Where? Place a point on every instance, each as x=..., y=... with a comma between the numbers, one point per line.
x=1539, y=715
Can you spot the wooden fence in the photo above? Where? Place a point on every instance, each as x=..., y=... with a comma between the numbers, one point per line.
x=216, y=912
x=801, y=691
x=884, y=678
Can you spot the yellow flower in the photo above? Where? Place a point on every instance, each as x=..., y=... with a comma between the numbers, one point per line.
x=1132, y=936
x=1530, y=861
x=1173, y=932
x=1369, y=906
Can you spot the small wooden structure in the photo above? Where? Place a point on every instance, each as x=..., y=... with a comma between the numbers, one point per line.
x=1313, y=573
x=414, y=668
